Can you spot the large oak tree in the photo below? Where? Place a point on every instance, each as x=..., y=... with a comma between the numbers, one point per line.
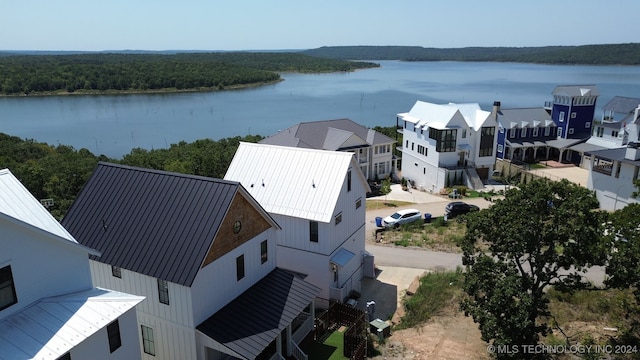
x=541, y=234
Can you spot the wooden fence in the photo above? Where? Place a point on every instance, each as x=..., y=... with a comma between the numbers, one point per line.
x=355, y=337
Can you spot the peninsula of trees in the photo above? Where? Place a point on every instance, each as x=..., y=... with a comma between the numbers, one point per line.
x=609, y=54
x=125, y=72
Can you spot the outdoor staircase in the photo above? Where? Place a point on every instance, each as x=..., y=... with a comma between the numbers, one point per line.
x=473, y=179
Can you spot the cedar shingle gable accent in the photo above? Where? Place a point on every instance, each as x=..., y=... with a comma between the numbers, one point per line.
x=252, y=224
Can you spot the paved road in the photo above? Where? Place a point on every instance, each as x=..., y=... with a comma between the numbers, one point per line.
x=400, y=257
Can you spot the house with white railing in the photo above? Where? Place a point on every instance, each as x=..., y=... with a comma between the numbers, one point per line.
x=446, y=144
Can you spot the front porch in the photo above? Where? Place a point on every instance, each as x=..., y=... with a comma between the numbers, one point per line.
x=268, y=321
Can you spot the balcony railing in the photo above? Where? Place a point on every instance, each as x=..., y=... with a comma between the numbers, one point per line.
x=337, y=294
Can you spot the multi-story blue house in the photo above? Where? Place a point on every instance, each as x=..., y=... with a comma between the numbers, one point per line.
x=554, y=131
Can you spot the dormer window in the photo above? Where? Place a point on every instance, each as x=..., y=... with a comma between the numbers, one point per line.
x=7, y=288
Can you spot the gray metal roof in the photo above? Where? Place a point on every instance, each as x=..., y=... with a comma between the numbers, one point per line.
x=576, y=90
x=248, y=324
x=621, y=104
x=528, y=115
x=617, y=154
x=156, y=223
x=317, y=134
x=53, y=326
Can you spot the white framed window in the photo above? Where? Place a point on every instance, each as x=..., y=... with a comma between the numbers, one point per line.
x=512, y=133
x=464, y=133
x=501, y=130
x=547, y=131
x=561, y=117
x=163, y=291
x=559, y=132
x=7, y=288
x=523, y=132
x=148, y=342
x=499, y=148
x=573, y=115
x=570, y=131
x=587, y=125
x=338, y=218
x=358, y=203
x=116, y=272
x=535, y=132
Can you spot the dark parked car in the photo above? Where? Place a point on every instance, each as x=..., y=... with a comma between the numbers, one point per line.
x=456, y=208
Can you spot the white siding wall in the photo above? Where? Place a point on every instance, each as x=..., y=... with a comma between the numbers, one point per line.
x=613, y=193
x=172, y=324
x=296, y=252
x=381, y=158
x=96, y=347
x=216, y=284
x=41, y=266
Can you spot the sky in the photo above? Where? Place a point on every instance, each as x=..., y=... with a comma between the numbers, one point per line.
x=96, y=25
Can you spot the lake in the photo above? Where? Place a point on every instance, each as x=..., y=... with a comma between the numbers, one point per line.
x=114, y=124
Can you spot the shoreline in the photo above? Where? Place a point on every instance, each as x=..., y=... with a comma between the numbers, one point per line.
x=143, y=92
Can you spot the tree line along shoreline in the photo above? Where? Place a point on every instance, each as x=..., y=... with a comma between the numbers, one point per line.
x=90, y=73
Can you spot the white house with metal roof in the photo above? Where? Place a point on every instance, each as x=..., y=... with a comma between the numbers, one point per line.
x=318, y=198
x=372, y=149
x=49, y=308
x=203, y=253
x=446, y=142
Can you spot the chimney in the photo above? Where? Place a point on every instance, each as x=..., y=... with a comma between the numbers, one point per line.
x=496, y=109
x=632, y=152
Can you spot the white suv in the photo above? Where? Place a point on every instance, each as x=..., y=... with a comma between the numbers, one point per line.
x=401, y=217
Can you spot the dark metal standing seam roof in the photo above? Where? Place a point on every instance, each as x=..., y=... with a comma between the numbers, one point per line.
x=248, y=324
x=622, y=104
x=156, y=223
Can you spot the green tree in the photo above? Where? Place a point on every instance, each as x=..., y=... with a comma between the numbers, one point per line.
x=623, y=268
x=543, y=234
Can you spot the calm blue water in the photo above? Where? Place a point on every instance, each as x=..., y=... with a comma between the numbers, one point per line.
x=113, y=125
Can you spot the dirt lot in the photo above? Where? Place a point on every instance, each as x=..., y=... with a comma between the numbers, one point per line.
x=451, y=336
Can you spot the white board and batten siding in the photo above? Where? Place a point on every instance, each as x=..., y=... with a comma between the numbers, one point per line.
x=172, y=324
x=216, y=284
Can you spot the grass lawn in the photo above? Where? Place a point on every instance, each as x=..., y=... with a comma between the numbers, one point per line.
x=331, y=349
x=381, y=204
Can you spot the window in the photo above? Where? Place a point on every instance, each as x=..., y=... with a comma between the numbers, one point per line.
x=499, y=148
x=148, y=344
x=512, y=133
x=486, y=141
x=113, y=332
x=412, y=145
x=66, y=356
x=501, y=130
x=406, y=144
x=445, y=139
x=559, y=132
x=587, y=124
x=614, y=133
x=523, y=132
x=619, y=164
x=547, y=131
x=7, y=289
x=381, y=168
x=573, y=115
x=349, y=180
x=338, y=218
x=570, y=131
x=464, y=133
x=264, y=255
x=358, y=203
x=240, y=267
x=422, y=150
x=535, y=132
x=313, y=231
x=561, y=116
x=375, y=149
x=116, y=272
x=163, y=291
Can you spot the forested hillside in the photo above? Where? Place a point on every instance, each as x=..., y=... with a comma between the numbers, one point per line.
x=99, y=72
x=60, y=172
x=614, y=54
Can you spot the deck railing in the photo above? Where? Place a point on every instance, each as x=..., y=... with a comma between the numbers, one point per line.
x=298, y=353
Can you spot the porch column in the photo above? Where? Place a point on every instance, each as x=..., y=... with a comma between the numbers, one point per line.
x=279, y=344
x=289, y=339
